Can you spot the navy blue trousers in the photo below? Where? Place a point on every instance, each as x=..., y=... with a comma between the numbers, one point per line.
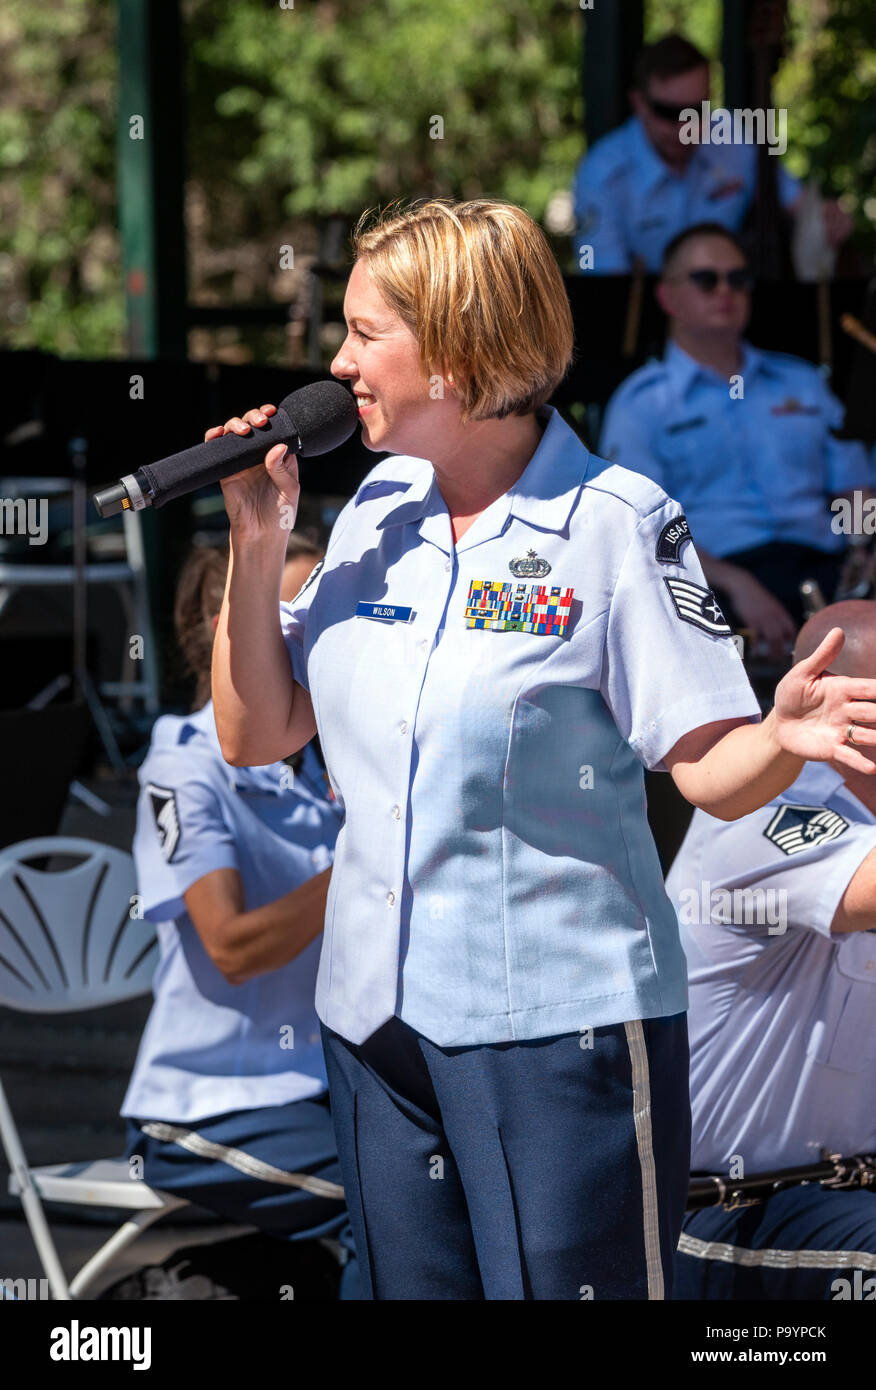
x=275, y=1168
x=545, y=1169
x=804, y=1243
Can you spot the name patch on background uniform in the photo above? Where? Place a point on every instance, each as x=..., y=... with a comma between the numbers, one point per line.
x=518, y=607
x=671, y=539
x=697, y=605
x=795, y=828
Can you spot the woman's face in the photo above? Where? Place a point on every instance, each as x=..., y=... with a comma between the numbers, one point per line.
x=379, y=357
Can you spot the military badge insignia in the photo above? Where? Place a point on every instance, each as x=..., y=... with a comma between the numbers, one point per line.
x=698, y=606
x=795, y=828
x=506, y=607
x=532, y=567
x=791, y=406
x=164, y=809
x=671, y=539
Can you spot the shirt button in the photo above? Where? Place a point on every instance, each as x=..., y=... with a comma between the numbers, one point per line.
x=390, y=898
x=403, y=727
x=396, y=812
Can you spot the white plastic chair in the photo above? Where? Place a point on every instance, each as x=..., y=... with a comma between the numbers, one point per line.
x=67, y=942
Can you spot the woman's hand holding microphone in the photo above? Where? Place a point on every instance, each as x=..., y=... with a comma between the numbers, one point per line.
x=261, y=714
x=262, y=500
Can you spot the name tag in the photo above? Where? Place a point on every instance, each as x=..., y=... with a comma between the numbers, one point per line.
x=504, y=607
x=387, y=612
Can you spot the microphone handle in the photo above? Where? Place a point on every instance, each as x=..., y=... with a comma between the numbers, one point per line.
x=211, y=461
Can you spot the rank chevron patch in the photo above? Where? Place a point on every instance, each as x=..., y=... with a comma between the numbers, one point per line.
x=698, y=605
x=795, y=828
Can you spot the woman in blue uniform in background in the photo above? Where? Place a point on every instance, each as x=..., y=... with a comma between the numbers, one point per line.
x=504, y=632
x=227, y=1104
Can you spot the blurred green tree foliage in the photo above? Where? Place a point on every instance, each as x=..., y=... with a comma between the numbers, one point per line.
x=299, y=114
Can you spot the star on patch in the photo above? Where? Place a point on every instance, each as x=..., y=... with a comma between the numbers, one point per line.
x=671, y=539
x=698, y=606
x=164, y=809
x=795, y=828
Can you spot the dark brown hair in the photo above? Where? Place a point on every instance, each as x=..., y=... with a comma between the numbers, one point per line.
x=668, y=57
x=199, y=592
x=693, y=233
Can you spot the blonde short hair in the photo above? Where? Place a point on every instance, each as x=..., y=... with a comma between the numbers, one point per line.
x=478, y=285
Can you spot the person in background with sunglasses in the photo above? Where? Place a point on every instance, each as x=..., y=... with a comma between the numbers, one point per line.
x=742, y=438
x=640, y=185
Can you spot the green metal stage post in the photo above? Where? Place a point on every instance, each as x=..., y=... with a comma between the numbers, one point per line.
x=150, y=152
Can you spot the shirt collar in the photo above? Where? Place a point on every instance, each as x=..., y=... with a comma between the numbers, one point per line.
x=684, y=370
x=650, y=168
x=268, y=778
x=544, y=494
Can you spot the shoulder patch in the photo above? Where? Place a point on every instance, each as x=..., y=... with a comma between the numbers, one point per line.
x=698, y=606
x=309, y=580
x=671, y=539
x=795, y=828
x=164, y=809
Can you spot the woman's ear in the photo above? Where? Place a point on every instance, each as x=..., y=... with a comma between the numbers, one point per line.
x=214, y=623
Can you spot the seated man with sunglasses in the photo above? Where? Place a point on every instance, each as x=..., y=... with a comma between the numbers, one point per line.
x=642, y=184
x=742, y=439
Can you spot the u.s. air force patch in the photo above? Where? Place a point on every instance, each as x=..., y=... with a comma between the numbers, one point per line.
x=697, y=605
x=671, y=539
x=795, y=828
x=164, y=809
x=309, y=580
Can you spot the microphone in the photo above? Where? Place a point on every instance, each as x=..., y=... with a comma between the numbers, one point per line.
x=313, y=420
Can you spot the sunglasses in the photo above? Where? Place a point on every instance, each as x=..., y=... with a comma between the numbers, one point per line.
x=708, y=280
x=665, y=111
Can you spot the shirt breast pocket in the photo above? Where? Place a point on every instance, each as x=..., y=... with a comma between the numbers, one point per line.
x=849, y=1039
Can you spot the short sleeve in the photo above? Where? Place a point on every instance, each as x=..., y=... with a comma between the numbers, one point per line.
x=180, y=835
x=293, y=622
x=670, y=663
x=293, y=612
x=598, y=221
x=808, y=883
x=625, y=439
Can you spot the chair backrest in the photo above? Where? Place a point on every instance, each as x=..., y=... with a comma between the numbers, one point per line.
x=67, y=937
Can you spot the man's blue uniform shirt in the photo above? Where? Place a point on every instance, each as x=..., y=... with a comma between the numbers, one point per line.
x=747, y=470
x=629, y=203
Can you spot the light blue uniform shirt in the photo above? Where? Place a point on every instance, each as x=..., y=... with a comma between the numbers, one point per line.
x=747, y=471
x=782, y=1014
x=210, y=1047
x=629, y=203
x=495, y=877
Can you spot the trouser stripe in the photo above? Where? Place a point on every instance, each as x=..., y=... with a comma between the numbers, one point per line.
x=238, y=1158
x=775, y=1259
x=642, y=1114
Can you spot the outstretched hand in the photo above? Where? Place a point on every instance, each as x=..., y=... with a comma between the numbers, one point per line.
x=814, y=709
